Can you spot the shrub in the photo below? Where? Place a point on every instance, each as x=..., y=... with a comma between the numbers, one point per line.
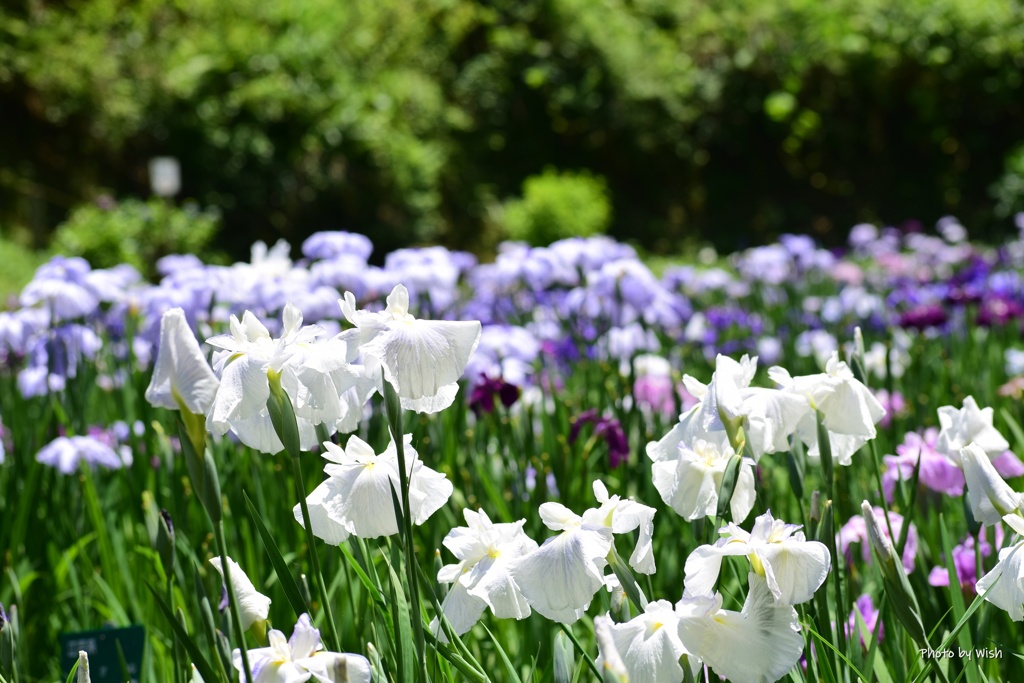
x=135, y=232
x=1008, y=191
x=557, y=205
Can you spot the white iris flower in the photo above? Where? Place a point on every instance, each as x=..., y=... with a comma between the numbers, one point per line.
x=991, y=498
x=482, y=578
x=314, y=373
x=728, y=403
x=792, y=566
x=300, y=658
x=1004, y=585
x=690, y=478
x=422, y=359
x=561, y=577
x=358, y=495
x=758, y=645
x=849, y=410
x=181, y=377
x=253, y=606
x=969, y=424
x=649, y=645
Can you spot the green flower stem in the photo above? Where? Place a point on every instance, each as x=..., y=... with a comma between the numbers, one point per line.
x=325, y=602
x=179, y=664
x=410, y=554
x=393, y=409
x=236, y=617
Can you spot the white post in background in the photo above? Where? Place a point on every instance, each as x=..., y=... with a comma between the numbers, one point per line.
x=164, y=176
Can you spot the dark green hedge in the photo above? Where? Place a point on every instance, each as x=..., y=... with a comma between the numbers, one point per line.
x=414, y=119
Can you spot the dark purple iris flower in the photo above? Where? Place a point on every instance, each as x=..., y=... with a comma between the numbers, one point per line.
x=924, y=316
x=999, y=311
x=481, y=400
x=607, y=428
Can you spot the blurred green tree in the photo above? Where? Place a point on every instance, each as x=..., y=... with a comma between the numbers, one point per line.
x=411, y=119
x=134, y=232
x=558, y=205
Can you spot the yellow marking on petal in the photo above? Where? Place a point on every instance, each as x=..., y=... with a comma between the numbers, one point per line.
x=755, y=563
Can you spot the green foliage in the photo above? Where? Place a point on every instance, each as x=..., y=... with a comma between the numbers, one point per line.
x=558, y=205
x=1008, y=191
x=135, y=232
x=408, y=118
x=20, y=264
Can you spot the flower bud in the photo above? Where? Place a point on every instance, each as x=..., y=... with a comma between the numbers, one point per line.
x=613, y=669
x=203, y=473
x=83, y=668
x=282, y=415
x=897, y=587
x=6, y=643
x=165, y=542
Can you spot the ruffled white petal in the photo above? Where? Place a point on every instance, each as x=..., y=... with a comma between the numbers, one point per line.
x=424, y=359
x=758, y=645
x=461, y=609
x=1004, y=585
x=704, y=565
x=324, y=528
x=687, y=485
x=253, y=606
x=667, y=448
x=630, y=515
x=498, y=588
x=649, y=645
x=989, y=495
x=243, y=392
x=966, y=425
x=557, y=517
x=795, y=570
x=772, y=415
x=181, y=371
x=305, y=637
x=428, y=491
x=359, y=498
x=560, y=578
x=338, y=668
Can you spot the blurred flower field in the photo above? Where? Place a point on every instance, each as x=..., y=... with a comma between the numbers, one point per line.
x=796, y=464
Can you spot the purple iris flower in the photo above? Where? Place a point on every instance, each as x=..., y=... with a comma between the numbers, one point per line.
x=856, y=531
x=430, y=274
x=175, y=263
x=894, y=405
x=607, y=428
x=60, y=286
x=999, y=311
x=66, y=452
x=1008, y=465
x=656, y=392
x=862, y=236
x=866, y=606
x=330, y=245
x=481, y=398
x=923, y=317
x=965, y=561
x=938, y=473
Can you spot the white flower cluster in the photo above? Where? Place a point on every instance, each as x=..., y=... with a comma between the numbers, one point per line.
x=327, y=386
